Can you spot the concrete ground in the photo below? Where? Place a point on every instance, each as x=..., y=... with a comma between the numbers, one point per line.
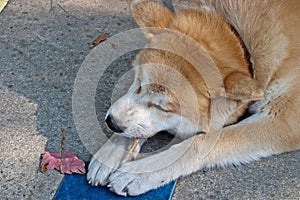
x=42, y=46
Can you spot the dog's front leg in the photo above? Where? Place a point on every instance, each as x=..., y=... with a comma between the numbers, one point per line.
x=110, y=157
x=242, y=143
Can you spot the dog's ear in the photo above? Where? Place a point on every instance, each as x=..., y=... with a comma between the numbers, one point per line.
x=151, y=14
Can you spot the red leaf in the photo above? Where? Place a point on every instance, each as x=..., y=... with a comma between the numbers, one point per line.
x=67, y=165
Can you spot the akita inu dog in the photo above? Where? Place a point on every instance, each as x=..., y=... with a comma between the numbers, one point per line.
x=255, y=48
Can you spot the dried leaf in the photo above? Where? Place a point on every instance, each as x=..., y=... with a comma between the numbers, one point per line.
x=67, y=165
x=99, y=39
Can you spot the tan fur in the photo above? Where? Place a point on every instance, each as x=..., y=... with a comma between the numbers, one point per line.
x=270, y=31
x=201, y=26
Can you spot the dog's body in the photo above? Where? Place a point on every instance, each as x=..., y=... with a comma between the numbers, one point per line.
x=178, y=98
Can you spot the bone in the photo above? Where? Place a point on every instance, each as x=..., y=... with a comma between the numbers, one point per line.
x=130, y=151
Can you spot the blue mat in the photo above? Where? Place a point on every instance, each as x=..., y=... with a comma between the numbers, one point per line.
x=75, y=187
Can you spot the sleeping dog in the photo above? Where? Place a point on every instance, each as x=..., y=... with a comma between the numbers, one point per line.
x=253, y=46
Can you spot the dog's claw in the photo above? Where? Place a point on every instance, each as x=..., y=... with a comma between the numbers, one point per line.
x=96, y=183
x=90, y=181
x=125, y=190
x=109, y=185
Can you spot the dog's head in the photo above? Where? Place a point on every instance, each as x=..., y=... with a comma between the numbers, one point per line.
x=168, y=92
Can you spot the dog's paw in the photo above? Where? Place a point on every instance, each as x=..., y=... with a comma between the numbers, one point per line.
x=131, y=180
x=99, y=170
x=108, y=159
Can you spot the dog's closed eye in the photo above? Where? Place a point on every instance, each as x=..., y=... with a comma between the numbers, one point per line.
x=160, y=107
x=165, y=108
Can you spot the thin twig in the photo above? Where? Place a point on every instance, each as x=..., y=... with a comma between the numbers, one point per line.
x=62, y=142
x=62, y=146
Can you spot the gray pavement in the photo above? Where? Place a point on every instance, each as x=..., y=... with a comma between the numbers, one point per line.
x=42, y=45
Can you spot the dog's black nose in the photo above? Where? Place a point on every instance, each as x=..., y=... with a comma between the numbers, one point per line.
x=111, y=123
